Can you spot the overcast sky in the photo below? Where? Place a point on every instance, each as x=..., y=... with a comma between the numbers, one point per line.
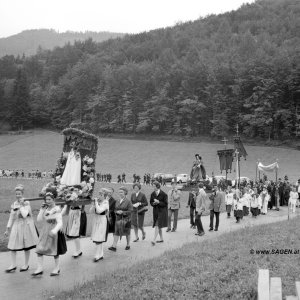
x=128, y=16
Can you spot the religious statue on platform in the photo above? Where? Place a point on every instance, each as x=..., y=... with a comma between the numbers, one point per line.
x=72, y=171
x=198, y=171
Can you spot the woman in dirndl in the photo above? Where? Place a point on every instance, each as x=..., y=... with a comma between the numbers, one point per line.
x=21, y=230
x=99, y=233
x=123, y=211
x=139, y=203
x=52, y=240
x=76, y=225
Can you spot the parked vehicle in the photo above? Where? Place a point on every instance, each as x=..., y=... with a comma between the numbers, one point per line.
x=168, y=177
x=156, y=176
x=164, y=176
x=182, y=178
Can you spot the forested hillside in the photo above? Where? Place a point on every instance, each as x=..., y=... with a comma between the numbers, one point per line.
x=195, y=78
x=28, y=41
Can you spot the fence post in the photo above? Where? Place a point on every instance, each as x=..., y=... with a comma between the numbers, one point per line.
x=275, y=289
x=263, y=289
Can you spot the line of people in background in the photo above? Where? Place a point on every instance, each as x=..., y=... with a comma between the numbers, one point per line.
x=103, y=177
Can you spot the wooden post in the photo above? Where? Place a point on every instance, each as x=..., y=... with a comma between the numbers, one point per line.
x=239, y=171
x=298, y=289
x=256, y=172
x=263, y=289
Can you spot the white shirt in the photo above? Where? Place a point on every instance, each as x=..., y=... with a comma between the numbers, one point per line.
x=229, y=198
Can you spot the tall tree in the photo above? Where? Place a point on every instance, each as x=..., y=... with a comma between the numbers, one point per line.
x=20, y=110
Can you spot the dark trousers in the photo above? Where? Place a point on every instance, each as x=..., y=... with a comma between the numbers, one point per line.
x=192, y=213
x=212, y=214
x=175, y=213
x=198, y=223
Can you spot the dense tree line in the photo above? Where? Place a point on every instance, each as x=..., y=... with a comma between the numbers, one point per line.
x=195, y=78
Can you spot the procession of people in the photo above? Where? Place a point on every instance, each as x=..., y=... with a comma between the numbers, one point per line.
x=119, y=216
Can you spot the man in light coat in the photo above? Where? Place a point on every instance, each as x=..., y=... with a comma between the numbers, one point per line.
x=174, y=204
x=200, y=208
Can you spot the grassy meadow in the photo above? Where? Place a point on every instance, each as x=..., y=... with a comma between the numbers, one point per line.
x=41, y=149
x=220, y=268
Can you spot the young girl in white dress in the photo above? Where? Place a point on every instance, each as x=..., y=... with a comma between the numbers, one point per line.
x=21, y=230
x=100, y=210
x=52, y=240
x=293, y=199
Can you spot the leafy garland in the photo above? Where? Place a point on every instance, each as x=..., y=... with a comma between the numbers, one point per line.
x=80, y=133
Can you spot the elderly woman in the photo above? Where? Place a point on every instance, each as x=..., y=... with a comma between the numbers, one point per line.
x=52, y=240
x=123, y=211
x=159, y=201
x=21, y=230
x=139, y=203
x=99, y=233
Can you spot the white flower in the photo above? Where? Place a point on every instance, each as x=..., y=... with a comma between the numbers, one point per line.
x=83, y=183
x=90, y=161
x=84, y=168
x=92, y=180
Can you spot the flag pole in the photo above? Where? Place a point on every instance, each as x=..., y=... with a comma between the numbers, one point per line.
x=256, y=172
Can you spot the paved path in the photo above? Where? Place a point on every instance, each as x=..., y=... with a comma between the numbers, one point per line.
x=74, y=272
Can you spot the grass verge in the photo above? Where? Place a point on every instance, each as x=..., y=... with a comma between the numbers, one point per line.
x=221, y=268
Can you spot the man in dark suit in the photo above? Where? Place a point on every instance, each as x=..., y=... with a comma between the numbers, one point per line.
x=112, y=215
x=216, y=200
x=159, y=202
x=192, y=205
